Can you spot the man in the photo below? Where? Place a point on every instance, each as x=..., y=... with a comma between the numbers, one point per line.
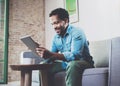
x=69, y=51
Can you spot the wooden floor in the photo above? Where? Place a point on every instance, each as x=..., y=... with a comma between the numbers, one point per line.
x=35, y=80
x=17, y=83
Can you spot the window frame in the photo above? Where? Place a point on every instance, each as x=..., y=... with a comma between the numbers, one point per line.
x=5, y=53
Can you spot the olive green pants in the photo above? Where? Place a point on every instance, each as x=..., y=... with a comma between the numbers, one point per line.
x=74, y=71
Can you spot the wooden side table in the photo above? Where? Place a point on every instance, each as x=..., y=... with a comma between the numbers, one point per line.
x=26, y=72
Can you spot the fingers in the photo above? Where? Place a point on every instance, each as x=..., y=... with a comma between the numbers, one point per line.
x=40, y=51
x=43, y=52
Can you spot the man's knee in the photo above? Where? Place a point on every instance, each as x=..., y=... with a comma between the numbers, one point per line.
x=73, y=65
x=77, y=65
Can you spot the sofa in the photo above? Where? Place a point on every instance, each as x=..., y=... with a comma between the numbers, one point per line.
x=97, y=76
x=114, y=63
x=105, y=54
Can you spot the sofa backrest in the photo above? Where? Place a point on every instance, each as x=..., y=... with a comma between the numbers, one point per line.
x=100, y=50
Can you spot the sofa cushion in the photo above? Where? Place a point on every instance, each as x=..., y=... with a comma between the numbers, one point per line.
x=94, y=71
x=91, y=76
x=100, y=52
x=95, y=77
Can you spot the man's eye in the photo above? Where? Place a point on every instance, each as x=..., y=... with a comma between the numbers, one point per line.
x=56, y=22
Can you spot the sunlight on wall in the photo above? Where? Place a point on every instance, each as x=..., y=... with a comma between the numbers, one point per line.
x=100, y=19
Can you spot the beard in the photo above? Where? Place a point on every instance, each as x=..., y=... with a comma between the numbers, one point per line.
x=61, y=31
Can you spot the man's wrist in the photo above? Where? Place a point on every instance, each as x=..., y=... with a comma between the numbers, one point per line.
x=57, y=56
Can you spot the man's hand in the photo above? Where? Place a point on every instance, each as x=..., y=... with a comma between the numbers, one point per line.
x=43, y=52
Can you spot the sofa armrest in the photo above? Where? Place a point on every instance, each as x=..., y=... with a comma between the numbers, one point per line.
x=27, y=56
x=114, y=63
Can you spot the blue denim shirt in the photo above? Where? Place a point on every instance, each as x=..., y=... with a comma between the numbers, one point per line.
x=73, y=45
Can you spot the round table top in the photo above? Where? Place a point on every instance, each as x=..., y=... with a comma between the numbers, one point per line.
x=31, y=66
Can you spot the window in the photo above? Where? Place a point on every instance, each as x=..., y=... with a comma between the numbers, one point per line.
x=3, y=40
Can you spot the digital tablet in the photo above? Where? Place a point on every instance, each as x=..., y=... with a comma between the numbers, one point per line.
x=30, y=43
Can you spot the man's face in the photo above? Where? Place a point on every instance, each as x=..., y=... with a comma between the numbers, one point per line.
x=58, y=24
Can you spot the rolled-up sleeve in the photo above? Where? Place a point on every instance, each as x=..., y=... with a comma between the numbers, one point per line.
x=68, y=56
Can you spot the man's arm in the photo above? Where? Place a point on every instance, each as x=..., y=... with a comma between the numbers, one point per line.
x=43, y=52
x=58, y=56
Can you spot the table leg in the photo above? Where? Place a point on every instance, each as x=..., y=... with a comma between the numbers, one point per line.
x=22, y=78
x=43, y=78
x=28, y=78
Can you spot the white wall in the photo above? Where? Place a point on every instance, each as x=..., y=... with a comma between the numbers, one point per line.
x=49, y=31
x=100, y=19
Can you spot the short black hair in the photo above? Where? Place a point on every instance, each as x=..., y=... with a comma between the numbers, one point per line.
x=62, y=13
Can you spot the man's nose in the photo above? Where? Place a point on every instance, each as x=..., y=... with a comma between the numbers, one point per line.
x=55, y=26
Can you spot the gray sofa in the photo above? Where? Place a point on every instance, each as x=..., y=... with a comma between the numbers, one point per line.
x=106, y=54
x=97, y=76
x=114, y=64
